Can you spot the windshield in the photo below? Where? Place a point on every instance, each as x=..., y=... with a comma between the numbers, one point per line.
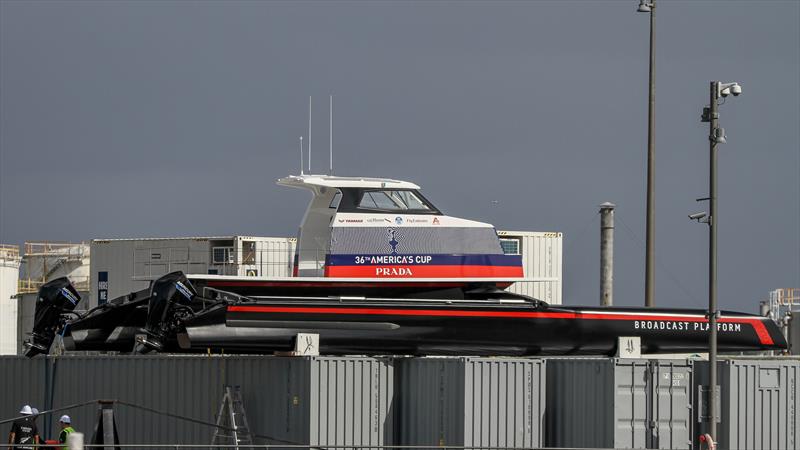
x=392, y=200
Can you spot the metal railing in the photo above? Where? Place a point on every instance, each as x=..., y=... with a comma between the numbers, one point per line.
x=43, y=258
x=9, y=252
x=152, y=263
x=32, y=285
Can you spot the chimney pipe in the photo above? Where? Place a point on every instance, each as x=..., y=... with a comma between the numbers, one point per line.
x=607, y=254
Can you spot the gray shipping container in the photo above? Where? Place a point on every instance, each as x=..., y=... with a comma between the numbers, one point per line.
x=619, y=403
x=308, y=400
x=497, y=402
x=759, y=403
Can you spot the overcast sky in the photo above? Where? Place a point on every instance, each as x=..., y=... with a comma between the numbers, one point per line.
x=160, y=119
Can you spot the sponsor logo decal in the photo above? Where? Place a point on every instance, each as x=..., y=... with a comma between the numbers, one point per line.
x=392, y=241
x=393, y=259
x=398, y=220
x=416, y=220
x=436, y=221
x=69, y=295
x=393, y=272
x=183, y=290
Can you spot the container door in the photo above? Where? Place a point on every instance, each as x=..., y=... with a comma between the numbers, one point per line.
x=670, y=411
x=631, y=404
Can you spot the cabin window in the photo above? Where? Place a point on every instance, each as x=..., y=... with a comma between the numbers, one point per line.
x=337, y=198
x=222, y=255
x=510, y=246
x=392, y=201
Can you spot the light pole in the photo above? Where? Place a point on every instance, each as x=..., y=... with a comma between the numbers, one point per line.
x=649, y=6
x=716, y=136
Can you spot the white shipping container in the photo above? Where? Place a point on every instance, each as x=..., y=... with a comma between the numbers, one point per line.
x=542, y=261
x=121, y=266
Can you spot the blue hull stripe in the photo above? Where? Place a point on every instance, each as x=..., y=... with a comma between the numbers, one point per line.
x=424, y=260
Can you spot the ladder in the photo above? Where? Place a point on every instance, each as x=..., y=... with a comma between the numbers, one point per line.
x=232, y=419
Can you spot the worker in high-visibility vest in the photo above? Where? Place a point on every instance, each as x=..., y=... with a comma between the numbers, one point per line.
x=66, y=428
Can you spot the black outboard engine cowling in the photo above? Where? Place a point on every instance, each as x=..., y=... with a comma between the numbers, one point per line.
x=170, y=290
x=55, y=298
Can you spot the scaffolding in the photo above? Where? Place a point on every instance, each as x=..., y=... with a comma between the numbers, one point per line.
x=9, y=253
x=782, y=301
x=45, y=261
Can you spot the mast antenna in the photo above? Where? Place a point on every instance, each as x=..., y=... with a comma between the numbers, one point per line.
x=331, y=134
x=301, y=155
x=309, y=134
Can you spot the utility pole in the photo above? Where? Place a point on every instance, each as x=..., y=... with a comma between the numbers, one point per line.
x=716, y=135
x=712, y=256
x=650, y=239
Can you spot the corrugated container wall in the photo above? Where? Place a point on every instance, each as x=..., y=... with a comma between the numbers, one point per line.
x=121, y=266
x=481, y=402
x=542, y=259
x=759, y=401
x=619, y=403
x=311, y=400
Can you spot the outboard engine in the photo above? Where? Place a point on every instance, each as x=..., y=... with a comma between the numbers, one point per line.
x=55, y=298
x=168, y=291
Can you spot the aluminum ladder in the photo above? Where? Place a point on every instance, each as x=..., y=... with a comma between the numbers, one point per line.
x=234, y=430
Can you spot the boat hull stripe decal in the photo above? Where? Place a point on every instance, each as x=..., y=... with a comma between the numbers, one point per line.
x=422, y=259
x=758, y=326
x=403, y=271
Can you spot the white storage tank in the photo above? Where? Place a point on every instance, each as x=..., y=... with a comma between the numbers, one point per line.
x=43, y=262
x=542, y=260
x=9, y=277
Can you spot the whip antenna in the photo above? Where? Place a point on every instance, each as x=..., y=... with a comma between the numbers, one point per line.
x=331, y=134
x=309, y=134
x=301, y=155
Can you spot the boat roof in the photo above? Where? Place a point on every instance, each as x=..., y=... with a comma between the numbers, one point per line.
x=311, y=181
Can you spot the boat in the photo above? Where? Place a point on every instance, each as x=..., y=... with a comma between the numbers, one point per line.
x=378, y=270
x=172, y=316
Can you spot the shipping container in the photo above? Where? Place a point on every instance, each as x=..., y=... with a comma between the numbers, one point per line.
x=619, y=403
x=759, y=403
x=542, y=261
x=121, y=266
x=302, y=400
x=479, y=402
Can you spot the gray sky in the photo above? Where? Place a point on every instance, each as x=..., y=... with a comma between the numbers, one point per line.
x=151, y=119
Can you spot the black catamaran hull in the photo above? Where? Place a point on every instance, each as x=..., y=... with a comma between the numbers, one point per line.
x=173, y=317
x=372, y=327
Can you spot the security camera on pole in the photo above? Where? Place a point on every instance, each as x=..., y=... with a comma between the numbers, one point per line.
x=716, y=136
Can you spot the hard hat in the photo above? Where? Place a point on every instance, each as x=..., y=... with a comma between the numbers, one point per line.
x=26, y=410
x=65, y=419
x=34, y=411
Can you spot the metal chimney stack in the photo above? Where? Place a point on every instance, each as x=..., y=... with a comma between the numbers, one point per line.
x=607, y=254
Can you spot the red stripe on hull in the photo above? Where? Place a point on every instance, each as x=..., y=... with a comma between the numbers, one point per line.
x=758, y=326
x=322, y=283
x=418, y=271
